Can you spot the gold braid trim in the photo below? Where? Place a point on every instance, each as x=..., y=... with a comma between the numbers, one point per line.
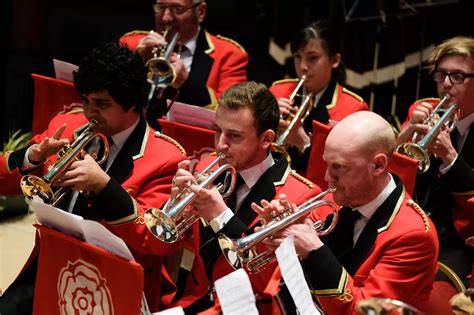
x=357, y=97
x=302, y=179
x=230, y=40
x=285, y=81
x=171, y=140
x=420, y=211
x=7, y=154
x=137, y=32
x=428, y=99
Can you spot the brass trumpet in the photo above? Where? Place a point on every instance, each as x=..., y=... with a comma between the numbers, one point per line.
x=242, y=253
x=303, y=111
x=418, y=151
x=32, y=185
x=169, y=224
x=161, y=73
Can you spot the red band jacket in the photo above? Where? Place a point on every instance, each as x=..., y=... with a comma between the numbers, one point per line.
x=141, y=177
x=336, y=103
x=276, y=180
x=451, y=193
x=218, y=63
x=395, y=257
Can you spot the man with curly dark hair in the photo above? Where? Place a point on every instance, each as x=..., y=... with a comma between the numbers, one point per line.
x=136, y=176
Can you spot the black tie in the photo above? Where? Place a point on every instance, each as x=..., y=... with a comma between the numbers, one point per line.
x=354, y=215
x=455, y=138
x=232, y=200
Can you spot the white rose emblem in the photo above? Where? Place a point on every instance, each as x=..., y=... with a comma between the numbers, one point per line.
x=83, y=291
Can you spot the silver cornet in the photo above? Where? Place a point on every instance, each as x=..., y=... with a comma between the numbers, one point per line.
x=242, y=253
x=32, y=185
x=440, y=117
x=169, y=224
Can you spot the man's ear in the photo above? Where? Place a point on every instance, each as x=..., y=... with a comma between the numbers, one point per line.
x=266, y=138
x=380, y=163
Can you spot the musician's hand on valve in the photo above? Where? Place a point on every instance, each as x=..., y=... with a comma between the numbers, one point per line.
x=84, y=175
x=38, y=153
x=286, y=110
x=415, y=124
x=208, y=203
x=147, y=44
x=181, y=72
x=442, y=147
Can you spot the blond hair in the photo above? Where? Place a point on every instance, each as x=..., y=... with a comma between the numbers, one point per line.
x=459, y=45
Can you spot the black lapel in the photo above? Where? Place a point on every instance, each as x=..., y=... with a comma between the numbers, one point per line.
x=336, y=239
x=320, y=113
x=380, y=219
x=467, y=151
x=263, y=189
x=194, y=90
x=122, y=166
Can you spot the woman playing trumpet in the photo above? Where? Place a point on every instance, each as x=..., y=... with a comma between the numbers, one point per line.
x=317, y=56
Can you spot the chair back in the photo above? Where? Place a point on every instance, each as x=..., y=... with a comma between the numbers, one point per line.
x=51, y=97
x=192, y=138
x=443, y=291
x=402, y=166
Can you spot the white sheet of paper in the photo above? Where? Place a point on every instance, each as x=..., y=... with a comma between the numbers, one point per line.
x=74, y=225
x=63, y=70
x=191, y=115
x=292, y=273
x=171, y=311
x=235, y=293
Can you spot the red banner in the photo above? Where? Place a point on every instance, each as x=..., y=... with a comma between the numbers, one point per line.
x=75, y=277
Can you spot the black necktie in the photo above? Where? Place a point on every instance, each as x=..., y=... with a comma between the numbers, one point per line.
x=455, y=138
x=352, y=217
x=232, y=200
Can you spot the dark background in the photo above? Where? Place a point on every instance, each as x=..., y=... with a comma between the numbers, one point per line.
x=36, y=31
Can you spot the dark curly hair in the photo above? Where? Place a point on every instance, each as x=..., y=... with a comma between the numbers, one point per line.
x=258, y=98
x=117, y=70
x=328, y=31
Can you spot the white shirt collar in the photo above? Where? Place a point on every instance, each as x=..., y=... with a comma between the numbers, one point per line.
x=252, y=175
x=120, y=138
x=192, y=43
x=464, y=124
x=317, y=97
x=369, y=209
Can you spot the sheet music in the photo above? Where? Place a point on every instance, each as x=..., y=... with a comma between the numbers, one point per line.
x=74, y=225
x=235, y=293
x=171, y=311
x=191, y=115
x=292, y=273
x=63, y=70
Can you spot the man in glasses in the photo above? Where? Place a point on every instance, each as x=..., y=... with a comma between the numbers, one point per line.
x=446, y=190
x=206, y=65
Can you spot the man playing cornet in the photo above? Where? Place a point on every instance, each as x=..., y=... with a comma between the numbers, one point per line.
x=383, y=244
x=446, y=189
x=137, y=174
x=246, y=122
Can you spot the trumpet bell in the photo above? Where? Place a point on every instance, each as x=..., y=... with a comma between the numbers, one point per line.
x=161, y=72
x=414, y=151
x=32, y=185
x=161, y=225
x=230, y=251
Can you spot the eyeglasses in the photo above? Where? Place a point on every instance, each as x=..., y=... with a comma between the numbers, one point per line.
x=160, y=8
x=454, y=77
